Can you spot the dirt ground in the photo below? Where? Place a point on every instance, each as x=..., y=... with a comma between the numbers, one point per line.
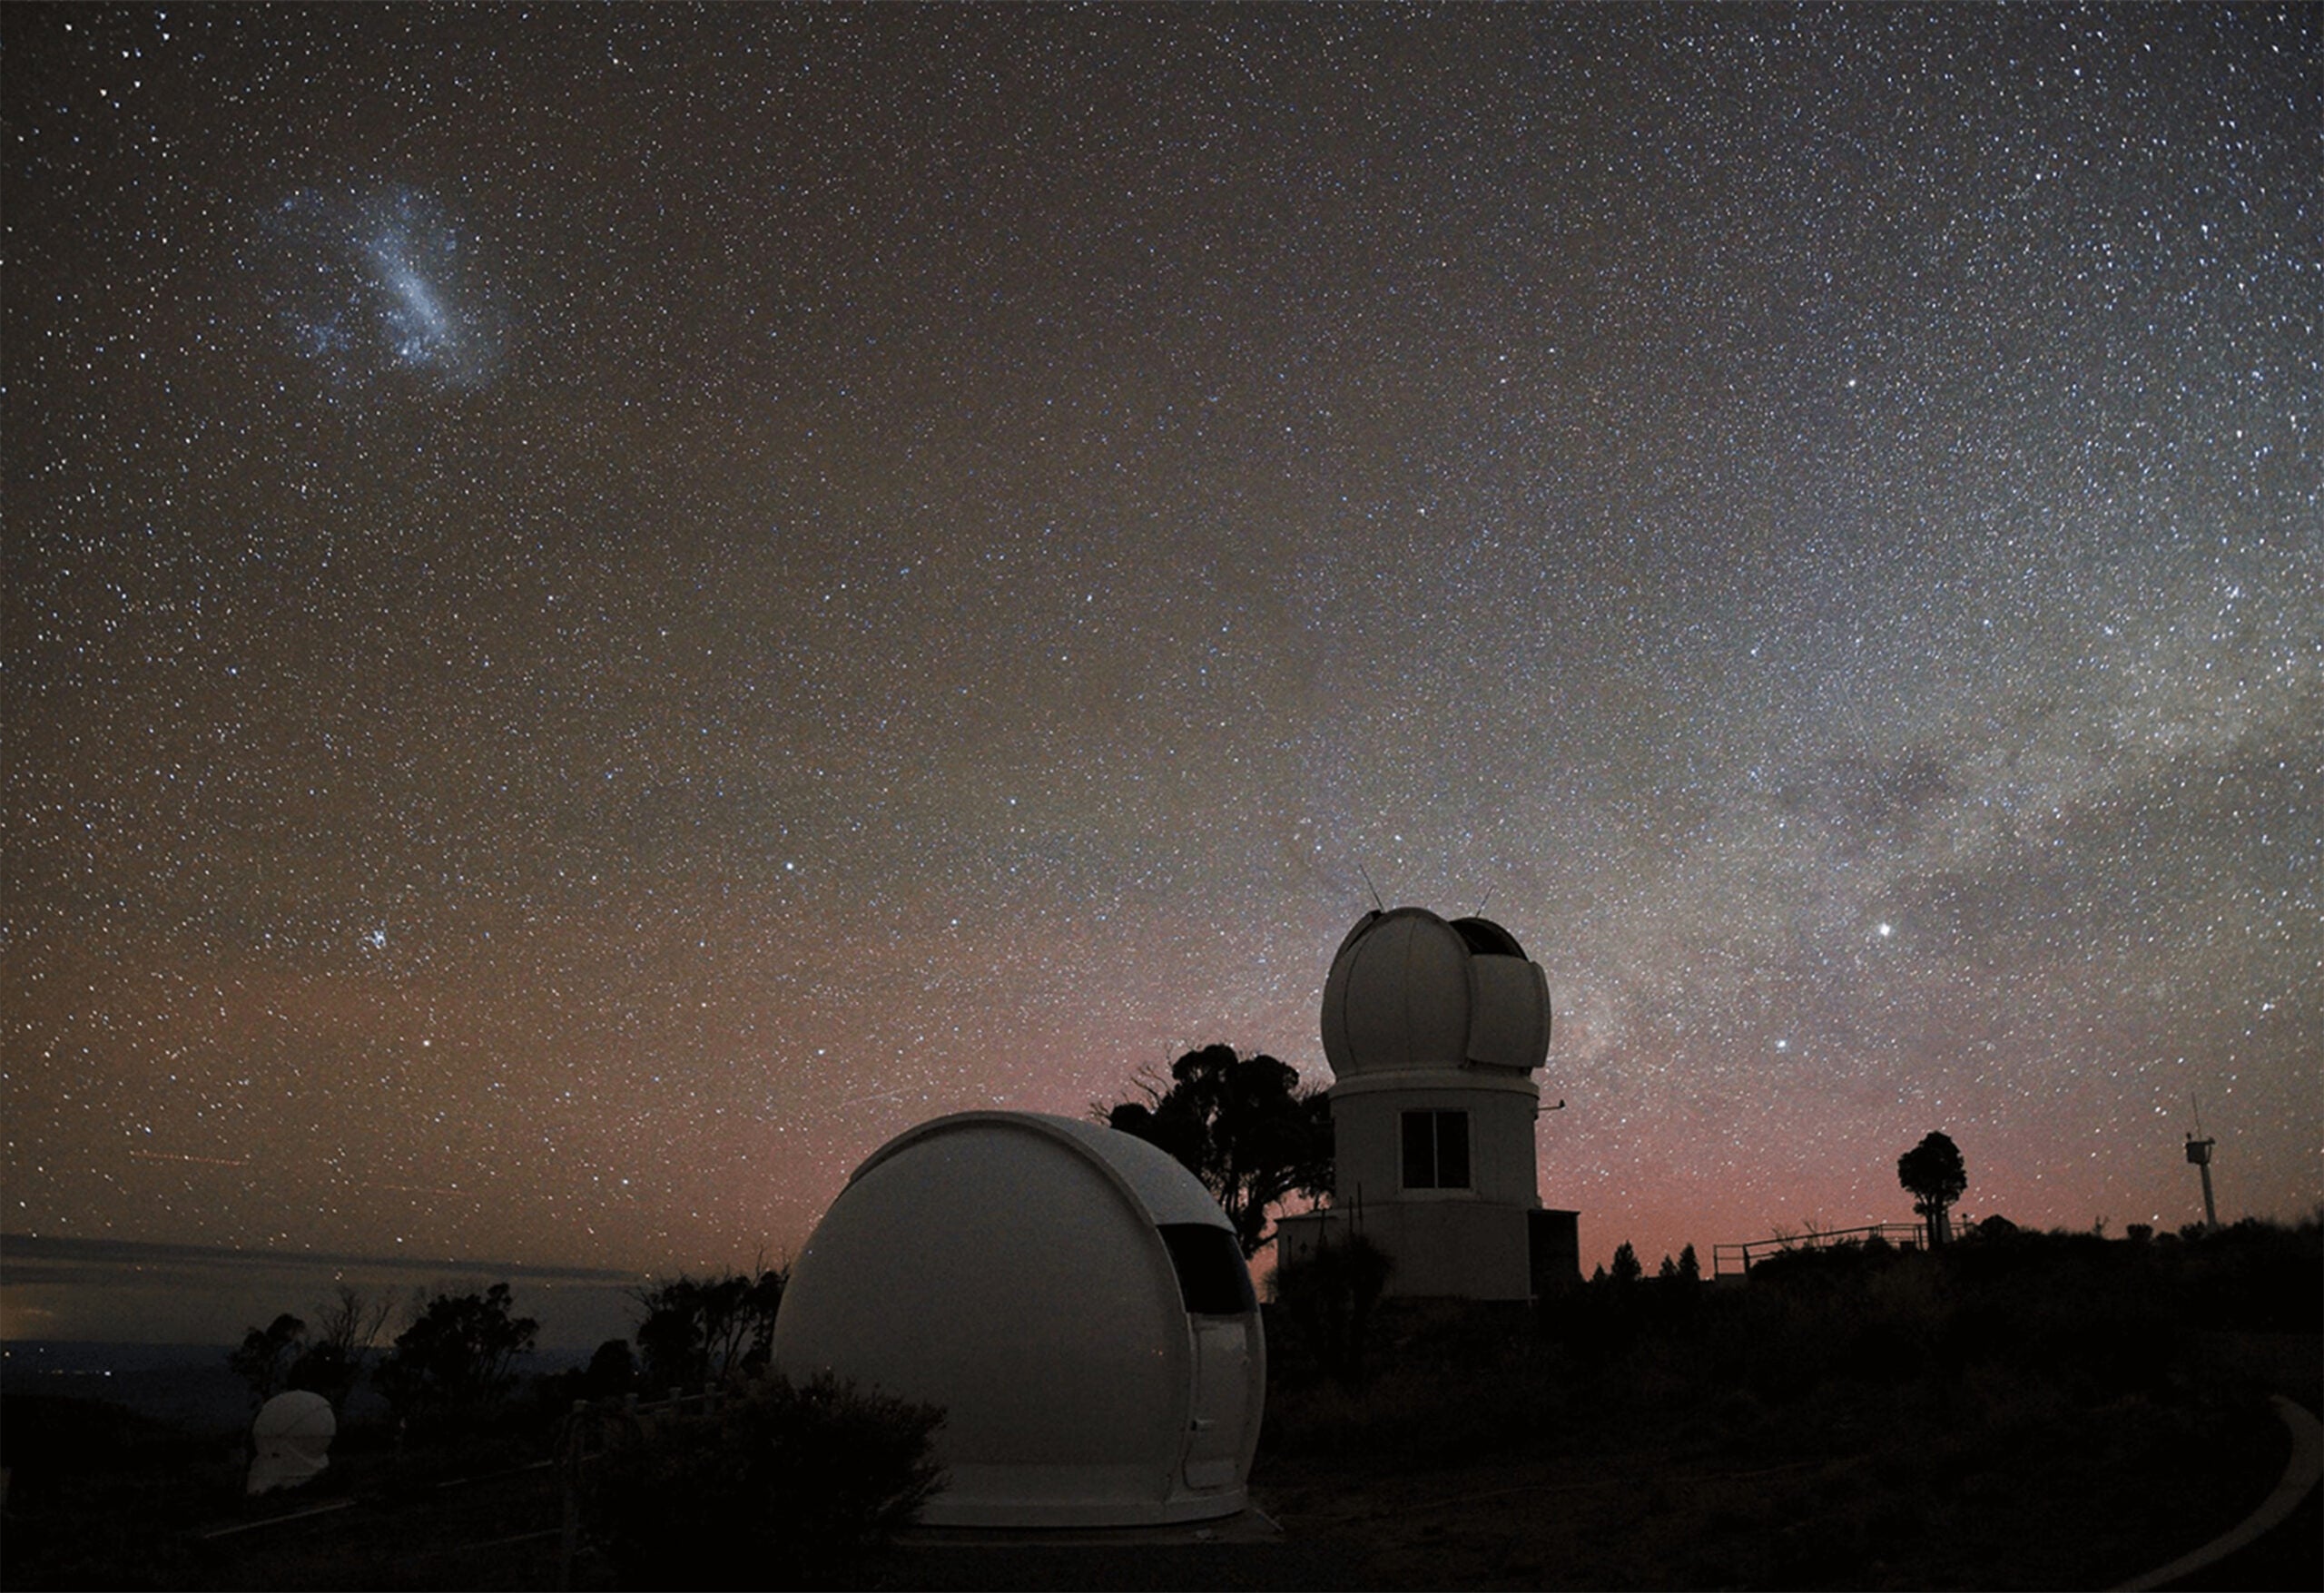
x=1661, y=1519
x=2092, y=1502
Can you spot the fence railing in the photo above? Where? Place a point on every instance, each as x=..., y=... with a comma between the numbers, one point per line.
x=1733, y=1261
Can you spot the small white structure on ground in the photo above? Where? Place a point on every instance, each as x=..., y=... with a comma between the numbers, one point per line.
x=1434, y=1031
x=291, y=1438
x=1071, y=1295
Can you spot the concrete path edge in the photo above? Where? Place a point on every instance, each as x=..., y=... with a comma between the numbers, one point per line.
x=2300, y=1474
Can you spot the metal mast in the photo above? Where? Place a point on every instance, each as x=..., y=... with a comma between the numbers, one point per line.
x=2199, y=1150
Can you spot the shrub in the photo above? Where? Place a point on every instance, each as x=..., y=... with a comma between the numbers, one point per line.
x=782, y=1486
x=1329, y=1296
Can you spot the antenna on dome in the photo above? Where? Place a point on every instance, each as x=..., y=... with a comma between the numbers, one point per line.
x=1484, y=903
x=1377, y=904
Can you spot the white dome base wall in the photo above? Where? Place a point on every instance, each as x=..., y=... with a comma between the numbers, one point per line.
x=1367, y=1137
x=1450, y=1250
x=1071, y=1297
x=1443, y=1249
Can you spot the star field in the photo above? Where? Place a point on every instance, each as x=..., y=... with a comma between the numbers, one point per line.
x=605, y=608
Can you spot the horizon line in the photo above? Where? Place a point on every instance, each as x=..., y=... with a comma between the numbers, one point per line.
x=56, y=1247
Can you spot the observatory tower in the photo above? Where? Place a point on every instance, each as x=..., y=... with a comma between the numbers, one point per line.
x=1434, y=1031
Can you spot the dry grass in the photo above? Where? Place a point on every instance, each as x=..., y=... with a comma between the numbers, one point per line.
x=2049, y=1415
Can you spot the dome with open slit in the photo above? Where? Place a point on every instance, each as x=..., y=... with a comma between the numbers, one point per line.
x=1411, y=992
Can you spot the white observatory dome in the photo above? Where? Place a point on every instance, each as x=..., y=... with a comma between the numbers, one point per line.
x=1409, y=991
x=292, y=1434
x=1071, y=1295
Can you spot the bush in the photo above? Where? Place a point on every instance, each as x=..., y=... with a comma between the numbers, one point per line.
x=2254, y=1277
x=103, y=1497
x=782, y=1486
x=1329, y=1296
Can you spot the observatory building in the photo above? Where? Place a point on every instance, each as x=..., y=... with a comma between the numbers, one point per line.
x=1071, y=1296
x=1434, y=1031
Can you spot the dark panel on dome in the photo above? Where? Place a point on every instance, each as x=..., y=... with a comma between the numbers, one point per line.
x=1213, y=1280
x=1487, y=939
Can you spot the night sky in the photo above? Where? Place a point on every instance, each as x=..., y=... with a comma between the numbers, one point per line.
x=605, y=607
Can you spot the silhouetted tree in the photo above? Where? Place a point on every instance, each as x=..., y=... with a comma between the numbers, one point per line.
x=353, y=1318
x=613, y=1369
x=460, y=1355
x=266, y=1355
x=1933, y=1175
x=1627, y=1270
x=711, y=1330
x=333, y=1363
x=1241, y=1124
x=1678, y=1288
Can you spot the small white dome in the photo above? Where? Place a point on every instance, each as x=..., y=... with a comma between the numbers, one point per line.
x=1071, y=1295
x=1409, y=991
x=292, y=1434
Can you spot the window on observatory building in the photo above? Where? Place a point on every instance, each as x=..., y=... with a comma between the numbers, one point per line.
x=1436, y=1150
